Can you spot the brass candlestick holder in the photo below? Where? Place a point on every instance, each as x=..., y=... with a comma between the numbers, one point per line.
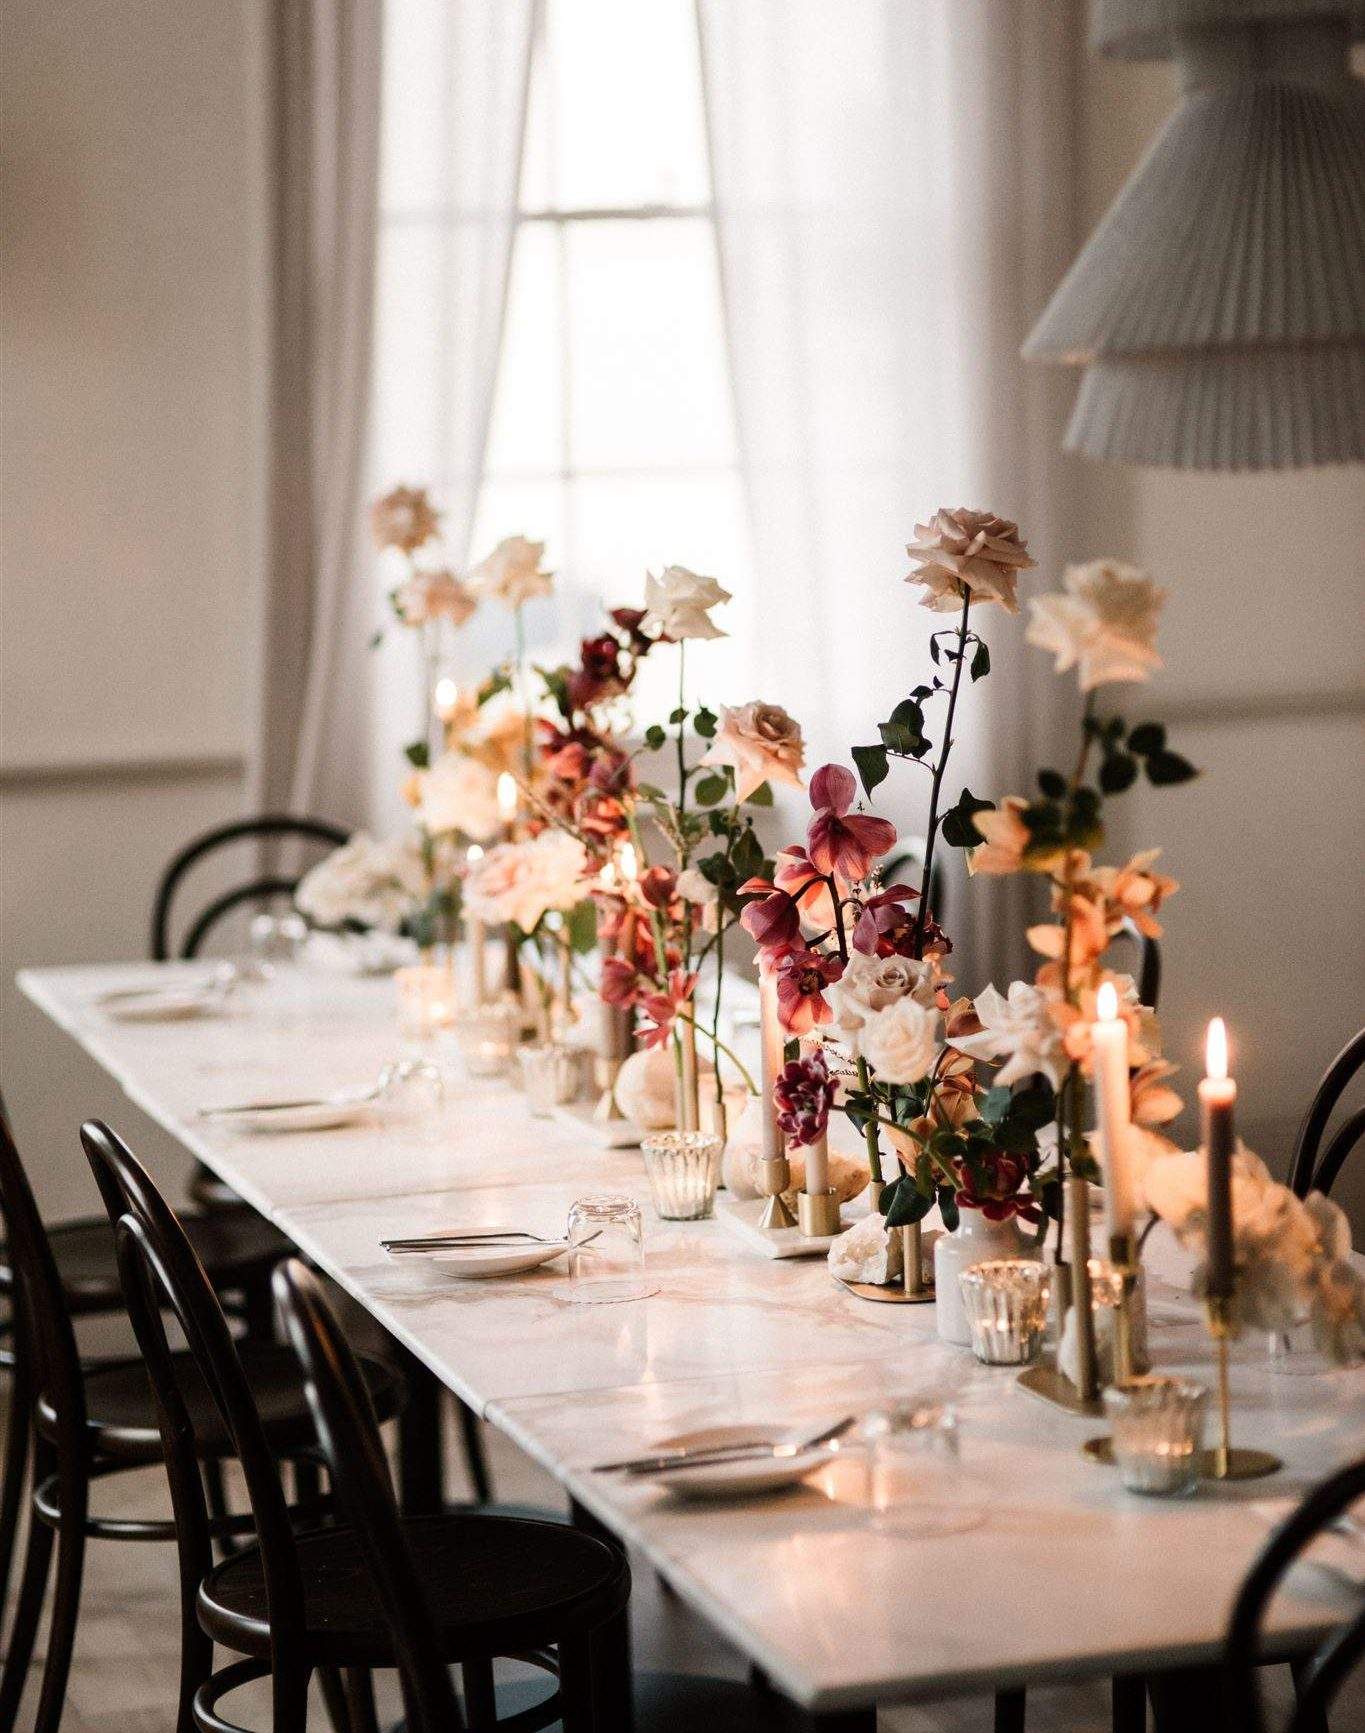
x=1123, y=1254
x=1226, y=1461
x=1081, y=1395
x=773, y=1175
x=817, y=1213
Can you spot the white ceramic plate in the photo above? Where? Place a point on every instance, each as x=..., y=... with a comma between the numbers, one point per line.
x=473, y=1263
x=160, y=1004
x=735, y=1479
x=286, y=1116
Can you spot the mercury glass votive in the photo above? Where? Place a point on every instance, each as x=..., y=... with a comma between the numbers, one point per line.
x=426, y=999
x=551, y=1075
x=488, y=1035
x=1157, y=1433
x=1005, y=1300
x=683, y=1169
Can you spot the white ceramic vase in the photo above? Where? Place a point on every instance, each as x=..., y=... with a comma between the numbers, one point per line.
x=972, y=1241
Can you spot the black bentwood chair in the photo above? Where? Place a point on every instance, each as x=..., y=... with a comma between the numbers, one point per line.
x=1318, y=1679
x=523, y=1587
x=303, y=1602
x=1313, y=1168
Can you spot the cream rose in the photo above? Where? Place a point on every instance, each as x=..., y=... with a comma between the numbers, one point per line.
x=901, y=1042
x=427, y=596
x=522, y=881
x=761, y=742
x=869, y=985
x=460, y=794
x=678, y=604
x=373, y=884
x=404, y=519
x=960, y=552
x=511, y=574
x=1103, y=623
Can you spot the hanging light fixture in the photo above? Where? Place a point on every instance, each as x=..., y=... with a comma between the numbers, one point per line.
x=1218, y=310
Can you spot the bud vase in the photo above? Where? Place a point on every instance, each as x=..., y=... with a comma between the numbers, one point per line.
x=972, y=1241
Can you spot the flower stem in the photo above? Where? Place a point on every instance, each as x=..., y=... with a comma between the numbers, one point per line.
x=865, y=1083
x=922, y=913
x=527, y=752
x=720, y=1047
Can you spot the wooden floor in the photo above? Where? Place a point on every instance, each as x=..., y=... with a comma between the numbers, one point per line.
x=127, y=1647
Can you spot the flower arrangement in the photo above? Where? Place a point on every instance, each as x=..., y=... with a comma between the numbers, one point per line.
x=365, y=886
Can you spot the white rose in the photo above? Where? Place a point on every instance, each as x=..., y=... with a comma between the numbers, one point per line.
x=512, y=573
x=1018, y=1030
x=869, y=985
x=901, y=1042
x=374, y=884
x=460, y=794
x=678, y=604
x=1104, y=623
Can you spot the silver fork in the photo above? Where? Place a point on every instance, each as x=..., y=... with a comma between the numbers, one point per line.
x=759, y=1450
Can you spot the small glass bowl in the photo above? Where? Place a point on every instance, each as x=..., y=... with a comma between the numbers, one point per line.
x=1157, y=1434
x=488, y=1035
x=683, y=1169
x=551, y=1075
x=1005, y=1300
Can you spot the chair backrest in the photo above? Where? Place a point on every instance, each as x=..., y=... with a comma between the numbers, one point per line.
x=157, y=1260
x=46, y=1354
x=357, y=1467
x=1312, y=1167
x=1337, y=1656
x=261, y=887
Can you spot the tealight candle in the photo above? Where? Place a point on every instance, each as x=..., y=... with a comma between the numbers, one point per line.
x=1109, y=1041
x=1217, y=1096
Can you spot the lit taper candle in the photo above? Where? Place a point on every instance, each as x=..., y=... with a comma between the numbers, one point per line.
x=477, y=936
x=1109, y=1040
x=1217, y=1096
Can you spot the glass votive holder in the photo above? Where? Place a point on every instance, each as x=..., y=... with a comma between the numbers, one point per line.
x=606, y=1252
x=551, y=1075
x=916, y=1485
x=1157, y=1433
x=1005, y=1300
x=487, y=1035
x=426, y=999
x=683, y=1169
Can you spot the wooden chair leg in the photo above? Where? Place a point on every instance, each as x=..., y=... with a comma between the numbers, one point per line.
x=578, y=1710
x=15, y=1479
x=420, y=1467
x=1010, y=1711
x=1187, y=1700
x=74, y=1493
x=613, y=1695
x=1314, y=1722
x=476, y=1460
x=360, y=1700
x=1129, y=1704
x=480, y=1699
x=28, y=1611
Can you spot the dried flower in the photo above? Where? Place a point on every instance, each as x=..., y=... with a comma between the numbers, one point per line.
x=438, y=595
x=837, y=840
x=901, y=1042
x=1103, y=623
x=404, y=518
x=678, y=604
x=802, y=977
x=1018, y=1029
x=761, y=742
x=459, y=794
x=960, y=551
x=511, y=573
x=772, y=920
x=803, y=1094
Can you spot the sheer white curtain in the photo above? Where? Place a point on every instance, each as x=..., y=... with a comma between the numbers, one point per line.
x=454, y=107
x=893, y=186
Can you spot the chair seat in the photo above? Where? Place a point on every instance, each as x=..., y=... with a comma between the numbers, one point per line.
x=234, y=1246
x=122, y=1419
x=496, y=1585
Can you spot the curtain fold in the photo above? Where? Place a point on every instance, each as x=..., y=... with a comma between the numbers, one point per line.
x=324, y=141
x=894, y=186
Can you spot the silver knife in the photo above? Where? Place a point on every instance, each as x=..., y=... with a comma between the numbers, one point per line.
x=756, y=1450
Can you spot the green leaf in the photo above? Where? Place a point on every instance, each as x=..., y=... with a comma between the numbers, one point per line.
x=712, y=788
x=1119, y=771
x=1164, y=769
x=1052, y=783
x=583, y=927
x=762, y=795
x=418, y=755
x=994, y=1104
x=498, y=681
x=747, y=856
x=647, y=791
x=959, y=827
x=705, y=722
x=902, y=1202
x=719, y=823
x=933, y=650
x=676, y=716
x=903, y=732
x=1146, y=738
x=981, y=661
x=655, y=737
x=947, y=1207
x=872, y=766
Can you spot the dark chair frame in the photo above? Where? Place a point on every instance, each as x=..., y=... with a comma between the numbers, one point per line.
x=1313, y=1168
x=1317, y=1680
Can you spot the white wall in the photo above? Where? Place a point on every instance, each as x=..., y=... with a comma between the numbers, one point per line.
x=1264, y=640
x=129, y=352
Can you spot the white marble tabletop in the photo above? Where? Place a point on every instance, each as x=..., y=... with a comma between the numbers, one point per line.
x=1067, y=1575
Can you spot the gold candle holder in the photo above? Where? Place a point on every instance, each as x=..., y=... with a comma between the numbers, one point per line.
x=1049, y=1381
x=913, y=1284
x=817, y=1213
x=1123, y=1254
x=1224, y=1461
x=772, y=1177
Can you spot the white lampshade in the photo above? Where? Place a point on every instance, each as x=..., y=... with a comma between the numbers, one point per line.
x=1219, y=307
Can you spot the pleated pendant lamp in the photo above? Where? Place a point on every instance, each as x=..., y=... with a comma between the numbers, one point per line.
x=1218, y=310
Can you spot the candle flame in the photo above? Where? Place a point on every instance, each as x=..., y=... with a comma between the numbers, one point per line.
x=630, y=866
x=507, y=794
x=1216, y=1049
x=607, y=877
x=472, y=853
x=1107, y=1003
x=446, y=697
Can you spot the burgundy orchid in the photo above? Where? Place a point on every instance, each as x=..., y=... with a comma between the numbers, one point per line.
x=881, y=914
x=773, y=920
x=803, y=1095
x=662, y=1008
x=620, y=984
x=802, y=977
x=999, y=1196
x=839, y=841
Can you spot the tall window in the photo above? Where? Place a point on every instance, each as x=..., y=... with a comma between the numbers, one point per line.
x=612, y=432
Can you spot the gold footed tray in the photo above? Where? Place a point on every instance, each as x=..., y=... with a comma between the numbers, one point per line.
x=893, y=1294
x=1055, y=1387
x=1242, y=1464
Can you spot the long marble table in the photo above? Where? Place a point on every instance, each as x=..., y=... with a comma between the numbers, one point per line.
x=1068, y=1577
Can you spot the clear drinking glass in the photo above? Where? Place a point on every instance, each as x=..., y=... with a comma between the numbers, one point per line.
x=411, y=1092
x=1006, y=1303
x=683, y=1169
x=277, y=938
x=606, y=1252
x=916, y=1485
x=488, y=1036
x=1157, y=1433
x=551, y=1075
